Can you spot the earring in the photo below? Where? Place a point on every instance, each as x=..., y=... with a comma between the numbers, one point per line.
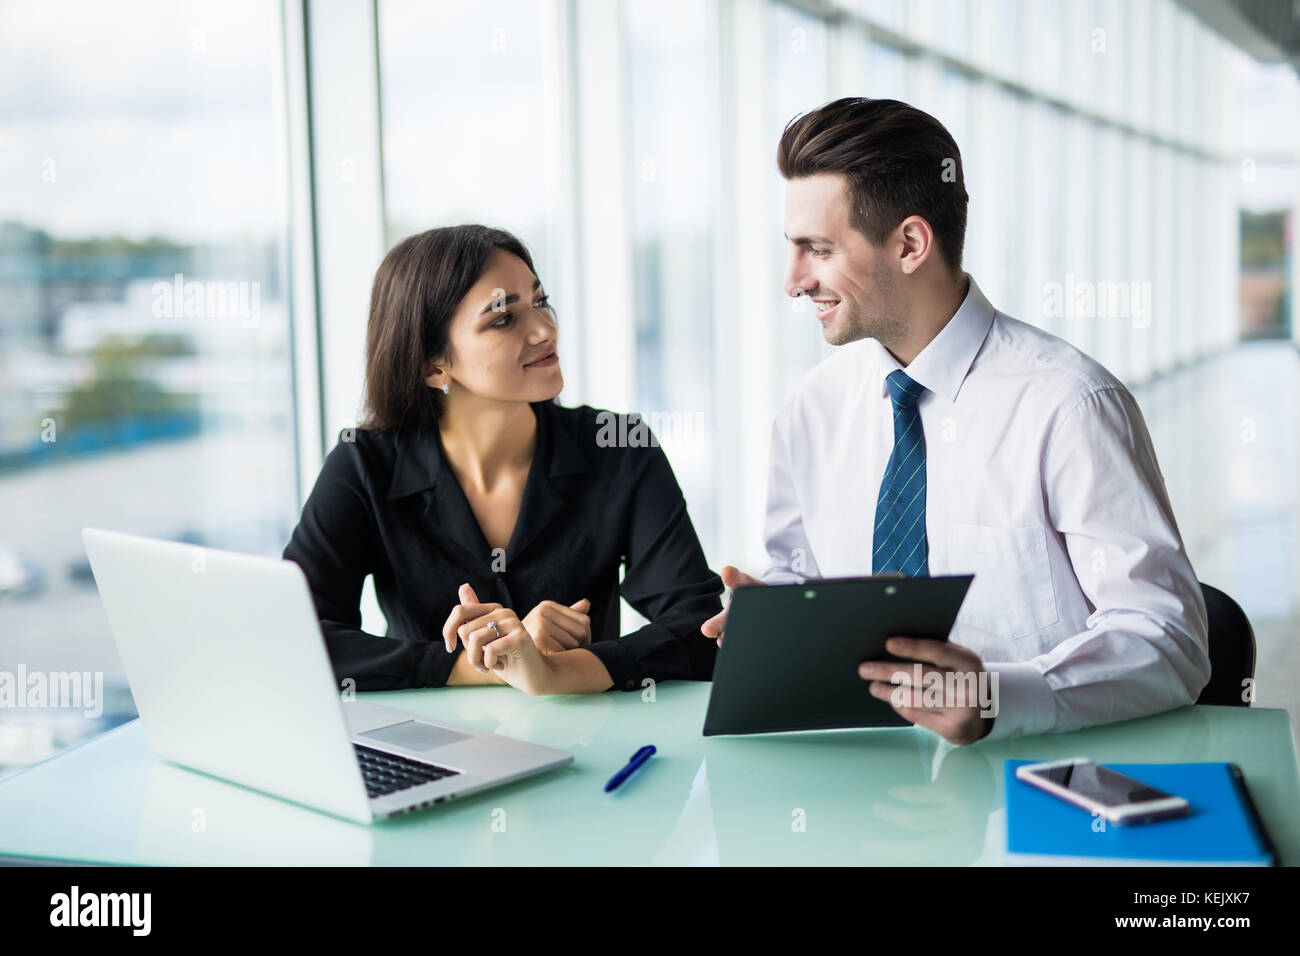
x=446, y=389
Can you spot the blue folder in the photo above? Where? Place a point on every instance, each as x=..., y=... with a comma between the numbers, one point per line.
x=1220, y=829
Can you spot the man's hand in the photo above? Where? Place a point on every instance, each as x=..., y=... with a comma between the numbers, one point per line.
x=732, y=578
x=556, y=627
x=957, y=719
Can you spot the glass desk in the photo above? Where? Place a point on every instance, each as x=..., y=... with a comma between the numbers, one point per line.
x=888, y=796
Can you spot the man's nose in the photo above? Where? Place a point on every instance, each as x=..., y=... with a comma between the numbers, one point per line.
x=797, y=280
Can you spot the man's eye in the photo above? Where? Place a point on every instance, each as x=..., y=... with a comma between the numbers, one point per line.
x=820, y=253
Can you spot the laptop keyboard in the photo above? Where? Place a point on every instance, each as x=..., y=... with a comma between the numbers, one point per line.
x=387, y=773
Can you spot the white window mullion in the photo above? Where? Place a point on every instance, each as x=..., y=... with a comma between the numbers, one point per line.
x=608, y=323
x=293, y=167
x=746, y=320
x=347, y=186
x=344, y=84
x=562, y=280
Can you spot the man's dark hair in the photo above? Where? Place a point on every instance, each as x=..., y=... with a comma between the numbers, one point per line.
x=417, y=289
x=898, y=162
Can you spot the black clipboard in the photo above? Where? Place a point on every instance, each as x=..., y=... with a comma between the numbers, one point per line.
x=789, y=658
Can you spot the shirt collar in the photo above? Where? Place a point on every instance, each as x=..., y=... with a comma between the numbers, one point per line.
x=942, y=365
x=420, y=463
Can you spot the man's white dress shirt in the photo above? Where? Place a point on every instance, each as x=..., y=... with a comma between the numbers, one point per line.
x=1041, y=480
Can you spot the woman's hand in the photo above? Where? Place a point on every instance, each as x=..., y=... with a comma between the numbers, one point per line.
x=496, y=642
x=468, y=610
x=555, y=627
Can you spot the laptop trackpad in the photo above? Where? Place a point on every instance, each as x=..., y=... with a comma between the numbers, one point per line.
x=415, y=735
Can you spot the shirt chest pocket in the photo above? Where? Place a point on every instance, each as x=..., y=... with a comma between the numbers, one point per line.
x=1012, y=595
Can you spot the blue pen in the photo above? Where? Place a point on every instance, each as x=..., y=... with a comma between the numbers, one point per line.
x=633, y=765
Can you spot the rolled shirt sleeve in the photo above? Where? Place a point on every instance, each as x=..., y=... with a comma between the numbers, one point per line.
x=1144, y=648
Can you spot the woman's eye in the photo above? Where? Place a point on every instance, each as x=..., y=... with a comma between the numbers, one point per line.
x=502, y=322
x=543, y=303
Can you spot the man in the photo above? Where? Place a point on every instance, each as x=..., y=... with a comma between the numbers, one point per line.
x=948, y=438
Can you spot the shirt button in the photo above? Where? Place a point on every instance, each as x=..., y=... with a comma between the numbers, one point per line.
x=630, y=685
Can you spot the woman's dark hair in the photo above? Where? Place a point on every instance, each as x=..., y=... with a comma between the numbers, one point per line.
x=417, y=289
x=898, y=160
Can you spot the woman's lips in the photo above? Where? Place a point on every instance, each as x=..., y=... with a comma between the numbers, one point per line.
x=541, y=362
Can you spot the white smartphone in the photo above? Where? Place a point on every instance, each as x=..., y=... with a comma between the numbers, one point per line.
x=1118, y=798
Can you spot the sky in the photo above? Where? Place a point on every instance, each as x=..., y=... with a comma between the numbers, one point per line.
x=153, y=116
x=142, y=117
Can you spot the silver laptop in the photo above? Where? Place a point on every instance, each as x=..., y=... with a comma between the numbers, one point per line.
x=230, y=674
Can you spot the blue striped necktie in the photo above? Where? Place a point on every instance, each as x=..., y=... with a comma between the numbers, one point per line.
x=899, y=540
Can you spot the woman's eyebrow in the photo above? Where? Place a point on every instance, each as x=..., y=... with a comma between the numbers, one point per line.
x=508, y=300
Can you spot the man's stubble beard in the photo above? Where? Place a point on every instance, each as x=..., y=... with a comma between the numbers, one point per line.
x=891, y=321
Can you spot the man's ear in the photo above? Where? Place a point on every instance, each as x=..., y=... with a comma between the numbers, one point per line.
x=917, y=240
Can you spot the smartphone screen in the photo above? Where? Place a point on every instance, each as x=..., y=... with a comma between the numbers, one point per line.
x=1095, y=782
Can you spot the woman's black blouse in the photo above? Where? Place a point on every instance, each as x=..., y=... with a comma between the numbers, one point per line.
x=386, y=503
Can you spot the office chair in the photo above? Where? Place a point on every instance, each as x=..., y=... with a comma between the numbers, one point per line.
x=1232, y=650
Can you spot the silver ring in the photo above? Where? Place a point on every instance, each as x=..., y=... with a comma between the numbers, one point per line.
x=493, y=625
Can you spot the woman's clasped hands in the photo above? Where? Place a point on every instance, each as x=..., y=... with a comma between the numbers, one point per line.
x=512, y=651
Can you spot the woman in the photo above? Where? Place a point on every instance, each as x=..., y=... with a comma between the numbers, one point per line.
x=473, y=498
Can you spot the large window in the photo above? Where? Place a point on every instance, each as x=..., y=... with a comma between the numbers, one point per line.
x=465, y=128
x=671, y=61
x=145, y=368
x=631, y=145
x=799, y=84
